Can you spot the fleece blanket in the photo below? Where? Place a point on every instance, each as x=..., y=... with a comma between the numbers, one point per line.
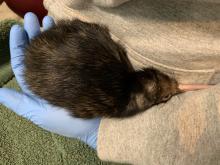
x=21, y=142
x=184, y=131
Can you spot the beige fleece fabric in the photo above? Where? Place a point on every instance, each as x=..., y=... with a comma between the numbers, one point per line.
x=6, y=13
x=109, y=3
x=184, y=131
x=181, y=38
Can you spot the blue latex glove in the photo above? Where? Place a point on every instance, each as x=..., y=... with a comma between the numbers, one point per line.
x=30, y=106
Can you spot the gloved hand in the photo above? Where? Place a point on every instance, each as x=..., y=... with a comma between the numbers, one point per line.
x=30, y=106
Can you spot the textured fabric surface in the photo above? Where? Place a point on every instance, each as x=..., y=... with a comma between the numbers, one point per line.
x=180, y=37
x=6, y=13
x=109, y=3
x=5, y=68
x=9, y=18
x=185, y=131
x=21, y=142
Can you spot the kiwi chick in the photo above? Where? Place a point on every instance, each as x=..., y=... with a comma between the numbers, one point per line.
x=77, y=66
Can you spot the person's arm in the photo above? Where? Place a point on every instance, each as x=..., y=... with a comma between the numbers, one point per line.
x=184, y=131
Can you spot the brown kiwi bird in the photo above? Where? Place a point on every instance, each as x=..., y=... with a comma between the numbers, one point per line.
x=77, y=66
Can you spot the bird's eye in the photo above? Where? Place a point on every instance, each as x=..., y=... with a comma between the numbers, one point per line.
x=167, y=97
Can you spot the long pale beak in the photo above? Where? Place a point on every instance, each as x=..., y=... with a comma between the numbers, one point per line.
x=193, y=87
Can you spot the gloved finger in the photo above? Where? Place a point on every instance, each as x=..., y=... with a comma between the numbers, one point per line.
x=18, y=42
x=18, y=102
x=31, y=25
x=48, y=22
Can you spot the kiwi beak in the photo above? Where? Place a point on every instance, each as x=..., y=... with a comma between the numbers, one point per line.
x=192, y=87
